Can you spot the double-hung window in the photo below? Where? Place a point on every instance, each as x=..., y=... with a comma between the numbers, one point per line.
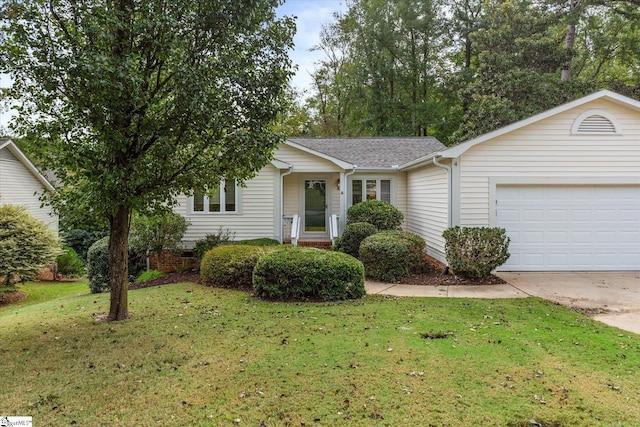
x=223, y=199
x=370, y=189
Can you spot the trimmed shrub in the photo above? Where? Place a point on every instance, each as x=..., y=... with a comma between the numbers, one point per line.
x=231, y=266
x=473, y=252
x=307, y=273
x=98, y=265
x=210, y=241
x=262, y=241
x=391, y=255
x=148, y=276
x=353, y=235
x=69, y=263
x=26, y=244
x=382, y=215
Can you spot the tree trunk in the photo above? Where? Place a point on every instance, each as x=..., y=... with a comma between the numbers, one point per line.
x=118, y=264
x=568, y=47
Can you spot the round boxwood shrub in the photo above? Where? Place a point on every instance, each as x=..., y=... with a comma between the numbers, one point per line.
x=353, y=235
x=391, y=255
x=231, y=266
x=383, y=215
x=297, y=273
x=98, y=265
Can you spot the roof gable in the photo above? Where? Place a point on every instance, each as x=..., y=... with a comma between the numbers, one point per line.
x=7, y=144
x=369, y=153
x=458, y=150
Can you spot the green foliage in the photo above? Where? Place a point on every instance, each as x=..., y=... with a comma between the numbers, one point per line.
x=307, y=273
x=353, y=235
x=26, y=244
x=161, y=98
x=148, y=276
x=474, y=252
x=157, y=232
x=392, y=255
x=383, y=215
x=98, y=265
x=81, y=239
x=231, y=266
x=69, y=263
x=210, y=241
x=262, y=241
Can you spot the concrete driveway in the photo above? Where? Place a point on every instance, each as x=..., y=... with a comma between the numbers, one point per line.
x=616, y=294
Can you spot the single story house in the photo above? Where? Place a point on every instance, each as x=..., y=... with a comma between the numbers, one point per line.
x=22, y=184
x=565, y=184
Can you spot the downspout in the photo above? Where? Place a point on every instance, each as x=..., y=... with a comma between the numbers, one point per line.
x=282, y=175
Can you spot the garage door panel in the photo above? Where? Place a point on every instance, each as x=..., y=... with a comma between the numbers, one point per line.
x=571, y=227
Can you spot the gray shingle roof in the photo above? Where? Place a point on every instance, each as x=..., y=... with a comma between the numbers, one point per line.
x=373, y=152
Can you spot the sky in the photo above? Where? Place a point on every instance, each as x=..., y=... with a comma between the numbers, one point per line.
x=311, y=15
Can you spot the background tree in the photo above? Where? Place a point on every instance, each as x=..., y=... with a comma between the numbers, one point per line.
x=136, y=101
x=26, y=245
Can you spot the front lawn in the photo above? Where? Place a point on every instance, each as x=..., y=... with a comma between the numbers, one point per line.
x=192, y=355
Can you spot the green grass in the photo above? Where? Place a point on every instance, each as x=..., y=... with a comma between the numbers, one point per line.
x=192, y=355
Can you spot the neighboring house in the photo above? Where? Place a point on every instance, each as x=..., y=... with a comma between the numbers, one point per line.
x=565, y=184
x=312, y=179
x=22, y=184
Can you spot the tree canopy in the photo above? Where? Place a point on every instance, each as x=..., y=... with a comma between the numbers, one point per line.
x=132, y=102
x=456, y=69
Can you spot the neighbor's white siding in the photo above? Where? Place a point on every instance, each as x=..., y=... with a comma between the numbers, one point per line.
x=18, y=186
x=255, y=217
x=546, y=150
x=427, y=206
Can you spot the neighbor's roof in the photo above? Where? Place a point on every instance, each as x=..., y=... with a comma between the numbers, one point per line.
x=18, y=154
x=371, y=152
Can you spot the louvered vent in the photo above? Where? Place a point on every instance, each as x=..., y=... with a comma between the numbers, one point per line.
x=596, y=124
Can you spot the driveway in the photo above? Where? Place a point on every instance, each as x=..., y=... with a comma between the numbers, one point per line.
x=614, y=296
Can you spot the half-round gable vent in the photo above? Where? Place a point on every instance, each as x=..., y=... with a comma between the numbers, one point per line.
x=595, y=122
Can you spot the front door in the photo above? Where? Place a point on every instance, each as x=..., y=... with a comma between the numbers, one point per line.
x=315, y=205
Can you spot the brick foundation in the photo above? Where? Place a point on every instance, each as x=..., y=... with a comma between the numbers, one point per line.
x=173, y=263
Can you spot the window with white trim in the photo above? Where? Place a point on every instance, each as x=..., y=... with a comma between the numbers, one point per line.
x=370, y=189
x=223, y=199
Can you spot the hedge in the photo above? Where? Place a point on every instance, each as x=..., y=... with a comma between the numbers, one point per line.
x=297, y=273
x=392, y=255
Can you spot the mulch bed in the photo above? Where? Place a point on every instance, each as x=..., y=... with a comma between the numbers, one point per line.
x=430, y=277
x=435, y=277
x=12, y=297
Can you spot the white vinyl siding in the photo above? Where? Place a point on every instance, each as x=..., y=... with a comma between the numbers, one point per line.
x=427, y=207
x=304, y=162
x=18, y=186
x=254, y=218
x=546, y=150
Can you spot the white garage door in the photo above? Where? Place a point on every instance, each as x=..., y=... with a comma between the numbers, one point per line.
x=571, y=228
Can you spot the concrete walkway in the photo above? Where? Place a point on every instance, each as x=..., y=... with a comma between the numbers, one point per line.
x=616, y=294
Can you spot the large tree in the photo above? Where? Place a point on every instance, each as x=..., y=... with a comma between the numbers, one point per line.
x=136, y=101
